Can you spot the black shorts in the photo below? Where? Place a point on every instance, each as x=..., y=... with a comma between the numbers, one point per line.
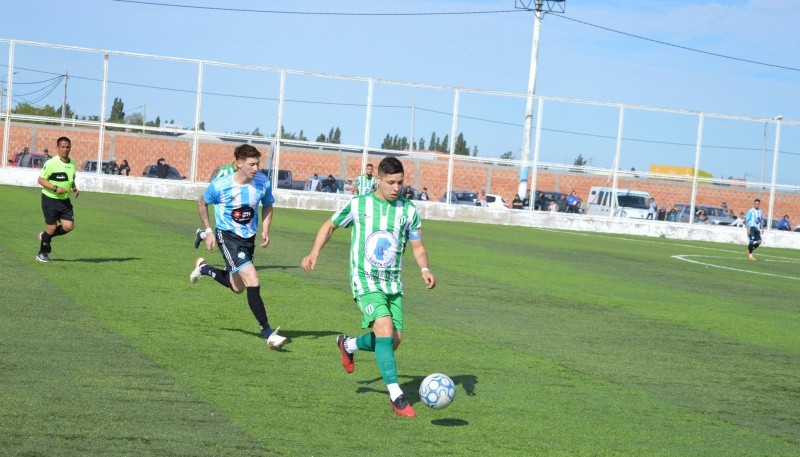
x=55, y=210
x=755, y=234
x=237, y=252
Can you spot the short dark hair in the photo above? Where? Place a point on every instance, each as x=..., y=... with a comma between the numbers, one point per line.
x=757, y=200
x=62, y=138
x=246, y=151
x=390, y=165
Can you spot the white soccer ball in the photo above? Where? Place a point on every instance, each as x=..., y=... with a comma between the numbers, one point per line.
x=437, y=391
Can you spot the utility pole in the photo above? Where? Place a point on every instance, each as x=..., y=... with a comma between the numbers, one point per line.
x=64, y=102
x=539, y=8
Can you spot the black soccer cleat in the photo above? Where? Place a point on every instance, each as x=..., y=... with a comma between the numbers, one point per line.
x=197, y=238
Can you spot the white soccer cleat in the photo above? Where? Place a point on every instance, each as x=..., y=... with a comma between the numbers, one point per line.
x=195, y=274
x=275, y=341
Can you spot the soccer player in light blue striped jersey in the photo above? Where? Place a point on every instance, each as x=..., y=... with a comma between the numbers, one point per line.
x=382, y=222
x=236, y=198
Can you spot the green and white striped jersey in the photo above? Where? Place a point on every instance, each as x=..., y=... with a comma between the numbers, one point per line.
x=380, y=232
x=366, y=184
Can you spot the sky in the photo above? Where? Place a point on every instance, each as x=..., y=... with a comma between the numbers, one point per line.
x=667, y=56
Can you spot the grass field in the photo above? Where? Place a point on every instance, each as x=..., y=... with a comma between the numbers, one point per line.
x=560, y=343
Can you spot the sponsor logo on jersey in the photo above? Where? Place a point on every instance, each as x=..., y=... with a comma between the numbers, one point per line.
x=243, y=215
x=60, y=177
x=380, y=248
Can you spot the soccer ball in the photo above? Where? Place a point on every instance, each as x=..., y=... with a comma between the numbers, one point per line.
x=437, y=391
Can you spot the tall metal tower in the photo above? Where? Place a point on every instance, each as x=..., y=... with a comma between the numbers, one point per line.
x=539, y=8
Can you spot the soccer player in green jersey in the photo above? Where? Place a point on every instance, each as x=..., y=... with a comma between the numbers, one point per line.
x=57, y=179
x=366, y=183
x=225, y=170
x=382, y=222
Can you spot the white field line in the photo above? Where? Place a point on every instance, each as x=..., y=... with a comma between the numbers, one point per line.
x=686, y=259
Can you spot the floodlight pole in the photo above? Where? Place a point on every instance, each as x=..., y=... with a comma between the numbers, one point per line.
x=770, y=216
x=539, y=7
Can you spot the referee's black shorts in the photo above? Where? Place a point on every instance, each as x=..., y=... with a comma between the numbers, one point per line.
x=55, y=210
x=237, y=252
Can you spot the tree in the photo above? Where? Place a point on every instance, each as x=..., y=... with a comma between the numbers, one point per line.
x=134, y=119
x=387, y=142
x=256, y=132
x=155, y=123
x=301, y=137
x=117, y=111
x=445, y=144
x=330, y=135
x=433, y=143
x=508, y=155
x=321, y=138
x=475, y=151
x=579, y=161
x=421, y=143
x=201, y=125
x=461, y=148
x=337, y=136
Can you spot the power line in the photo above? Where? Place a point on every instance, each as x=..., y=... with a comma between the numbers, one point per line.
x=311, y=13
x=686, y=48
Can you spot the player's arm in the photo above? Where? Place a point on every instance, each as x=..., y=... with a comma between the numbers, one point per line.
x=421, y=257
x=202, y=211
x=265, y=223
x=323, y=235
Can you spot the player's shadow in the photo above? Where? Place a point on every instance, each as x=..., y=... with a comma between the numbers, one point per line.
x=99, y=259
x=291, y=334
x=276, y=267
x=411, y=383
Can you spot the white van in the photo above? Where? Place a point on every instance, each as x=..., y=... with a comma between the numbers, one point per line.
x=632, y=204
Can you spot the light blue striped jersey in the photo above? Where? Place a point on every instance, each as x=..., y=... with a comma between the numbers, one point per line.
x=236, y=205
x=754, y=217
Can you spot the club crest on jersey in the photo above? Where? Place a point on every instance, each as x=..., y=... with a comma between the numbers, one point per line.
x=380, y=249
x=403, y=221
x=243, y=215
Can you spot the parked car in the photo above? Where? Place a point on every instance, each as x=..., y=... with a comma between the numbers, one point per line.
x=461, y=197
x=108, y=166
x=28, y=160
x=172, y=172
x=496, y=201
x=716, y=215
x=631, y=204
x=544, y=197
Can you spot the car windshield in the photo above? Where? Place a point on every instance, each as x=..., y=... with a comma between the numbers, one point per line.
x=466, y=196
x=712, y=211
x=632, y=201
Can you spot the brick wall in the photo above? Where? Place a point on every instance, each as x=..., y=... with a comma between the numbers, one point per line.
x=144, y=149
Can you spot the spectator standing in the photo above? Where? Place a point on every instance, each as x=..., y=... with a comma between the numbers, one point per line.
x=572, y=202
x=481, y=200
x=516, y=203
x=328, y=184
x=739, y=221
x=753, y=220
x=366, y=183
x=162, y=169
x=652, y=209
x=57, y=179
x=125, y=168
x=312, y=183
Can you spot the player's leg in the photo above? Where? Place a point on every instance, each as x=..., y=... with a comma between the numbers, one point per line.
x=246, y=278
x=228, y=247
x=199, y=237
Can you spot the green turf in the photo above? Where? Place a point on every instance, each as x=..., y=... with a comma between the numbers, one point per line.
x=560, y=343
